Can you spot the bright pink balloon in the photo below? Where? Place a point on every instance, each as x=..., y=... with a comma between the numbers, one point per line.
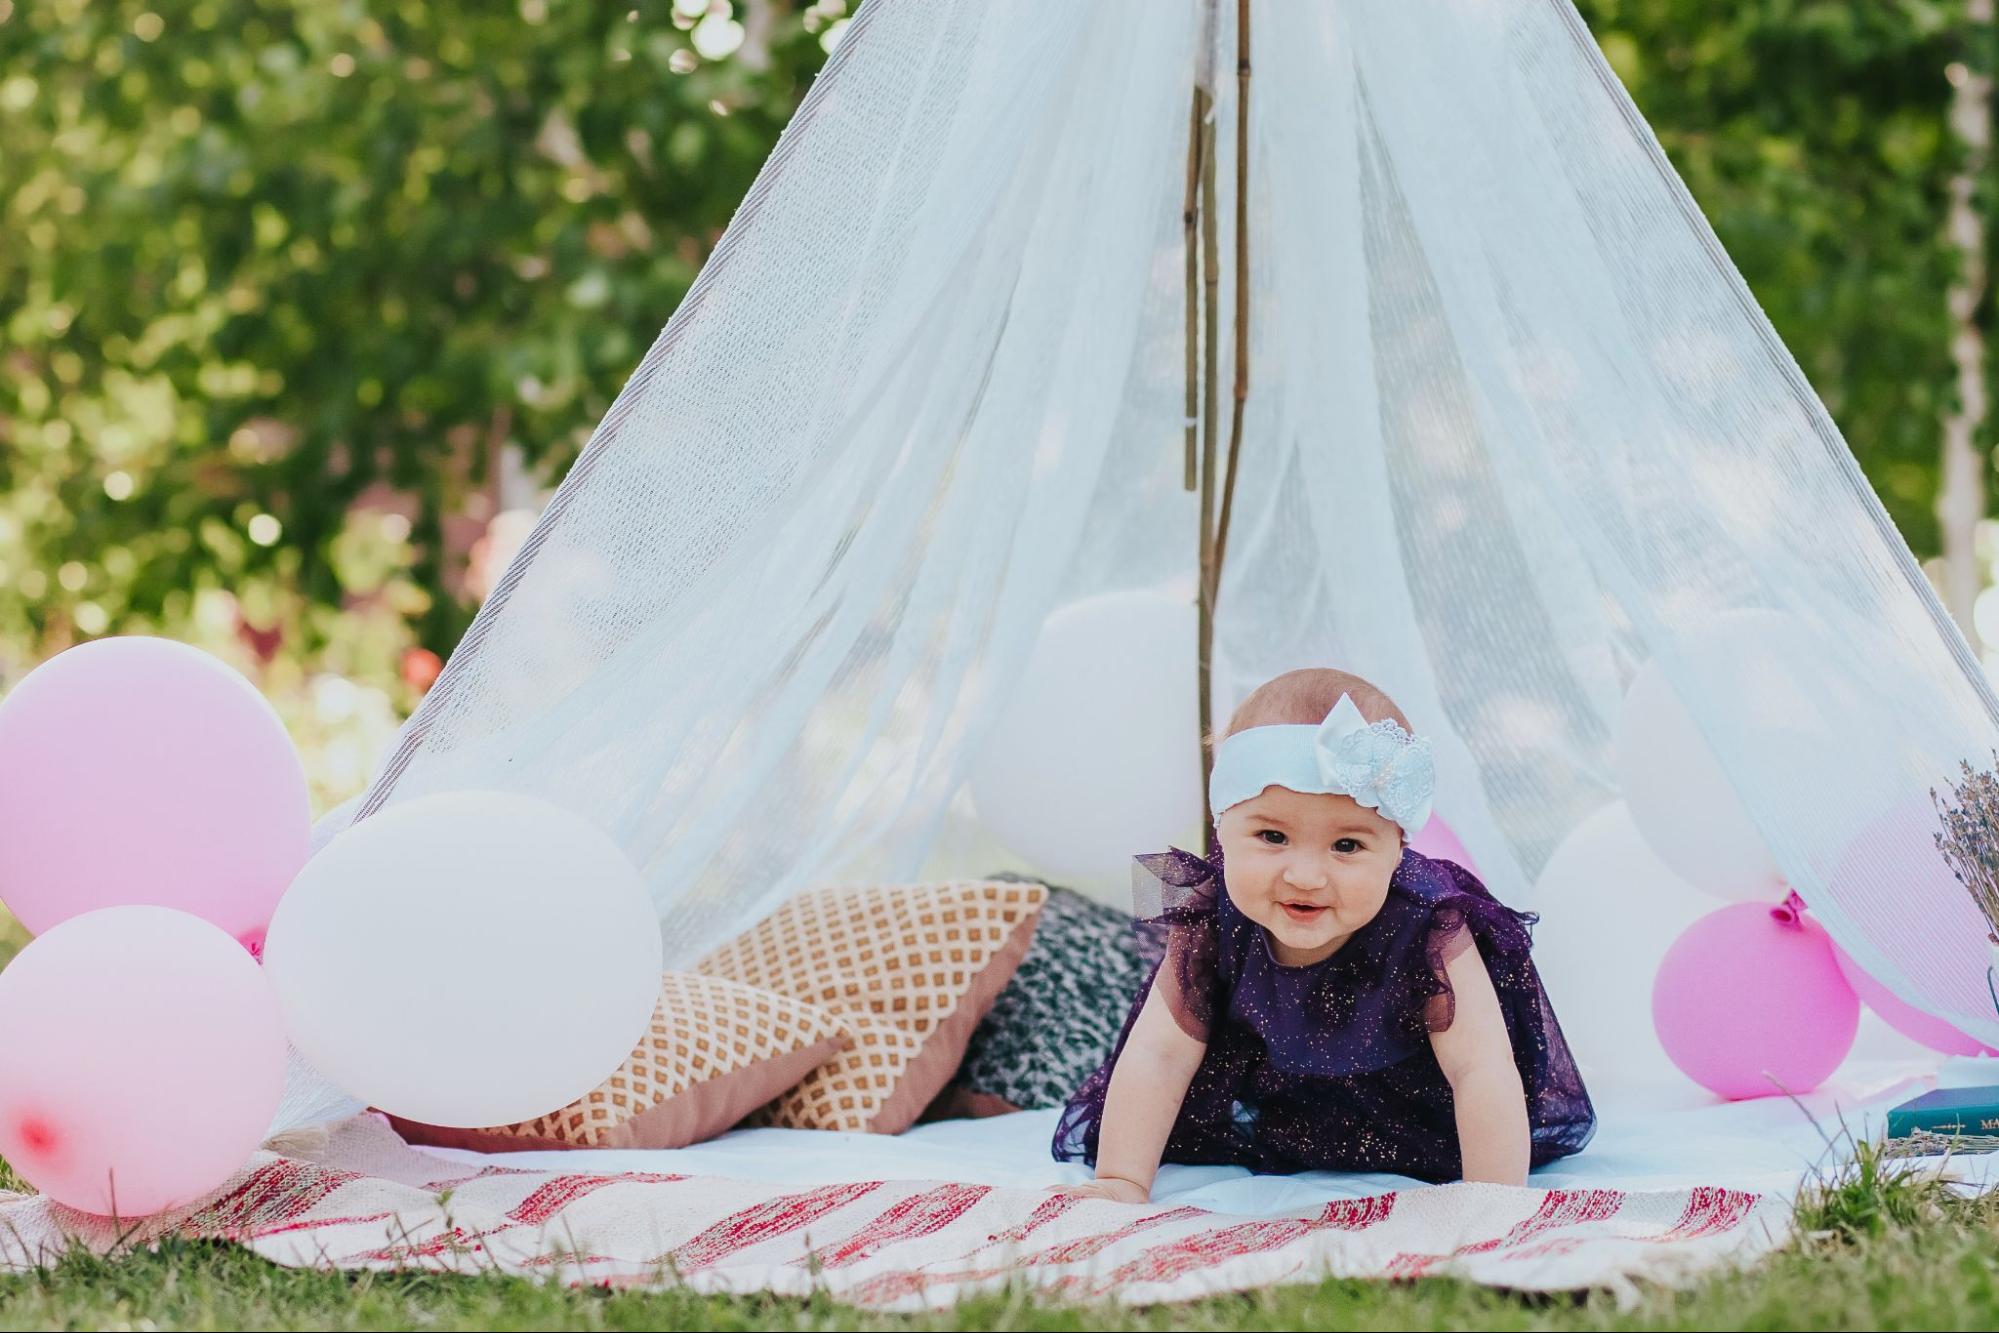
x=141, y=770
x=1436, y=839
x=1749, y=994
x=1906, y=1019
x=141, y=1060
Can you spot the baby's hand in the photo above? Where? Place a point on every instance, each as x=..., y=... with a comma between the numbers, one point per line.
x=1108, y=1187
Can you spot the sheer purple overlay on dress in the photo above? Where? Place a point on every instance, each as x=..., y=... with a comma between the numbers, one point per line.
x=1329, y=1066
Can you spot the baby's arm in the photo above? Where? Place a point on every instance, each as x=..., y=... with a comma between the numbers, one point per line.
x=1477, y=1056
x=1147, y=1086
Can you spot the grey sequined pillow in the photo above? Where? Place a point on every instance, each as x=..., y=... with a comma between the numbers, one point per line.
x=1058, y=1018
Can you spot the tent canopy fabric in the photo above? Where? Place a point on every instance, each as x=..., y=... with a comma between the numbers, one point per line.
x=1516, y=427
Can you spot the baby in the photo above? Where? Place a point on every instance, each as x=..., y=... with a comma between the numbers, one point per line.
x=1334, y=1000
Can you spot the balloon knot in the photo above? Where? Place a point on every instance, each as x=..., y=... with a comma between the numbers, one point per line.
x=1791, y=911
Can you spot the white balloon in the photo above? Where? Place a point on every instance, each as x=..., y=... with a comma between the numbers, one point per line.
x=469, y=959
x=1798, y=704
x=1681, y=798
x=1795, y=703
x=331, y=824
x=1097, y=758
x=1609, y=911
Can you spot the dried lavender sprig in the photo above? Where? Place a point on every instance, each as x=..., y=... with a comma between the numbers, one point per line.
x=1969, y=840
x=1928, y=1143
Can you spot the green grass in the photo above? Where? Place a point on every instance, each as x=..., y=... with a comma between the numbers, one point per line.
x=1880, y=1249
x=1871, y=1195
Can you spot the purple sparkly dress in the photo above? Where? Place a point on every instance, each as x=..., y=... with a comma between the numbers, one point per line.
x=1328, y=1066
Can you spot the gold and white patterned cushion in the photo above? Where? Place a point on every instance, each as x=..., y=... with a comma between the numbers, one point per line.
x=909, y=968
x=715, y=1051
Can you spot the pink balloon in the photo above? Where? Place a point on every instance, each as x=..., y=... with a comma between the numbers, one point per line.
x=1752, y=993
x=1435, y=839
x=1888, y=874
x=1905, y=1018
x=141, y=1060
x=140, y=770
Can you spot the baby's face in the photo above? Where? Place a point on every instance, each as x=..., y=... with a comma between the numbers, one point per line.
x=1310, y=869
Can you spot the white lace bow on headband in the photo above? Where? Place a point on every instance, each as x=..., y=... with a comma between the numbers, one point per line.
x=1378, y=764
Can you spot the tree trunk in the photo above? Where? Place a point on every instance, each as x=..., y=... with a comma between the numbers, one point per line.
x=1961, y=496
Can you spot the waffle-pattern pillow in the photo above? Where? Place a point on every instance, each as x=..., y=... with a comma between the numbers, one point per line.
x=716, y=1050
x=909, y=968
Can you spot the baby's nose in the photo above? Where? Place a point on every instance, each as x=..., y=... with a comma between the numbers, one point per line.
x=1308, y=876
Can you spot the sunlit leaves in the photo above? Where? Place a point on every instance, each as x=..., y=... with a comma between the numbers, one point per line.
x=1814, y=134
x=269, y=259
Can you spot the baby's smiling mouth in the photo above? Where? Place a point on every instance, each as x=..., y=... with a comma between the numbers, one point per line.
x=1304, y=911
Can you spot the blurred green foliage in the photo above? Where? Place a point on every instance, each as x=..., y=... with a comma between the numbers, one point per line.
x=263, y=256
x=264, y=260
x=1815, y=134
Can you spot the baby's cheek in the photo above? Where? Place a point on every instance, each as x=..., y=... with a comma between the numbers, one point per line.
x=1369, y=900
x=1248, y=893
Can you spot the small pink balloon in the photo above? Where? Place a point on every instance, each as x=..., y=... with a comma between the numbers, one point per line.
x=1750, y=994
x=1911, y=1022
x=141, y=770
x=141, y=1059
x=1436, y=839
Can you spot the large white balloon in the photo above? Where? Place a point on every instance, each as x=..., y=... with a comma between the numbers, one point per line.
x=468, y=959
x=1609, y=911
x=1682, y=800
x=1795, y=702
x=1097, y=758
x=333, y=823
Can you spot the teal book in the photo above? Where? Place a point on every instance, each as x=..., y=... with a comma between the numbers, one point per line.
x=1964, y=1111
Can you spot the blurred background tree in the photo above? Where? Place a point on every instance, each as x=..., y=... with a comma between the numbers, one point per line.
x=272, y=261
x=1816, y=136
x=299, y=298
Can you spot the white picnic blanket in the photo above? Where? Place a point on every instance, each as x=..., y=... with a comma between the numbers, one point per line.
x=1674, y=1186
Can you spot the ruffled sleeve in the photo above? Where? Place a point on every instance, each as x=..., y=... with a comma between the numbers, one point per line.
x=1175, y=909
x=1463, y=914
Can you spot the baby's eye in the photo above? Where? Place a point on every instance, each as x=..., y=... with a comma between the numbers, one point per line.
x=1347, y=846
x=1272, y=836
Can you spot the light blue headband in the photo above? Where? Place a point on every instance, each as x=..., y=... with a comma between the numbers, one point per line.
x=1379, y=764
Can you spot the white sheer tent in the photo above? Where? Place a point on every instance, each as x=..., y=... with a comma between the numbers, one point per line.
x=1515, y=427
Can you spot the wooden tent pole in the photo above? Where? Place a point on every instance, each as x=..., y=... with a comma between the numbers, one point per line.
x=1190, y=230
x=1241, y=280
x=1215, y=531
x=1210, y=372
